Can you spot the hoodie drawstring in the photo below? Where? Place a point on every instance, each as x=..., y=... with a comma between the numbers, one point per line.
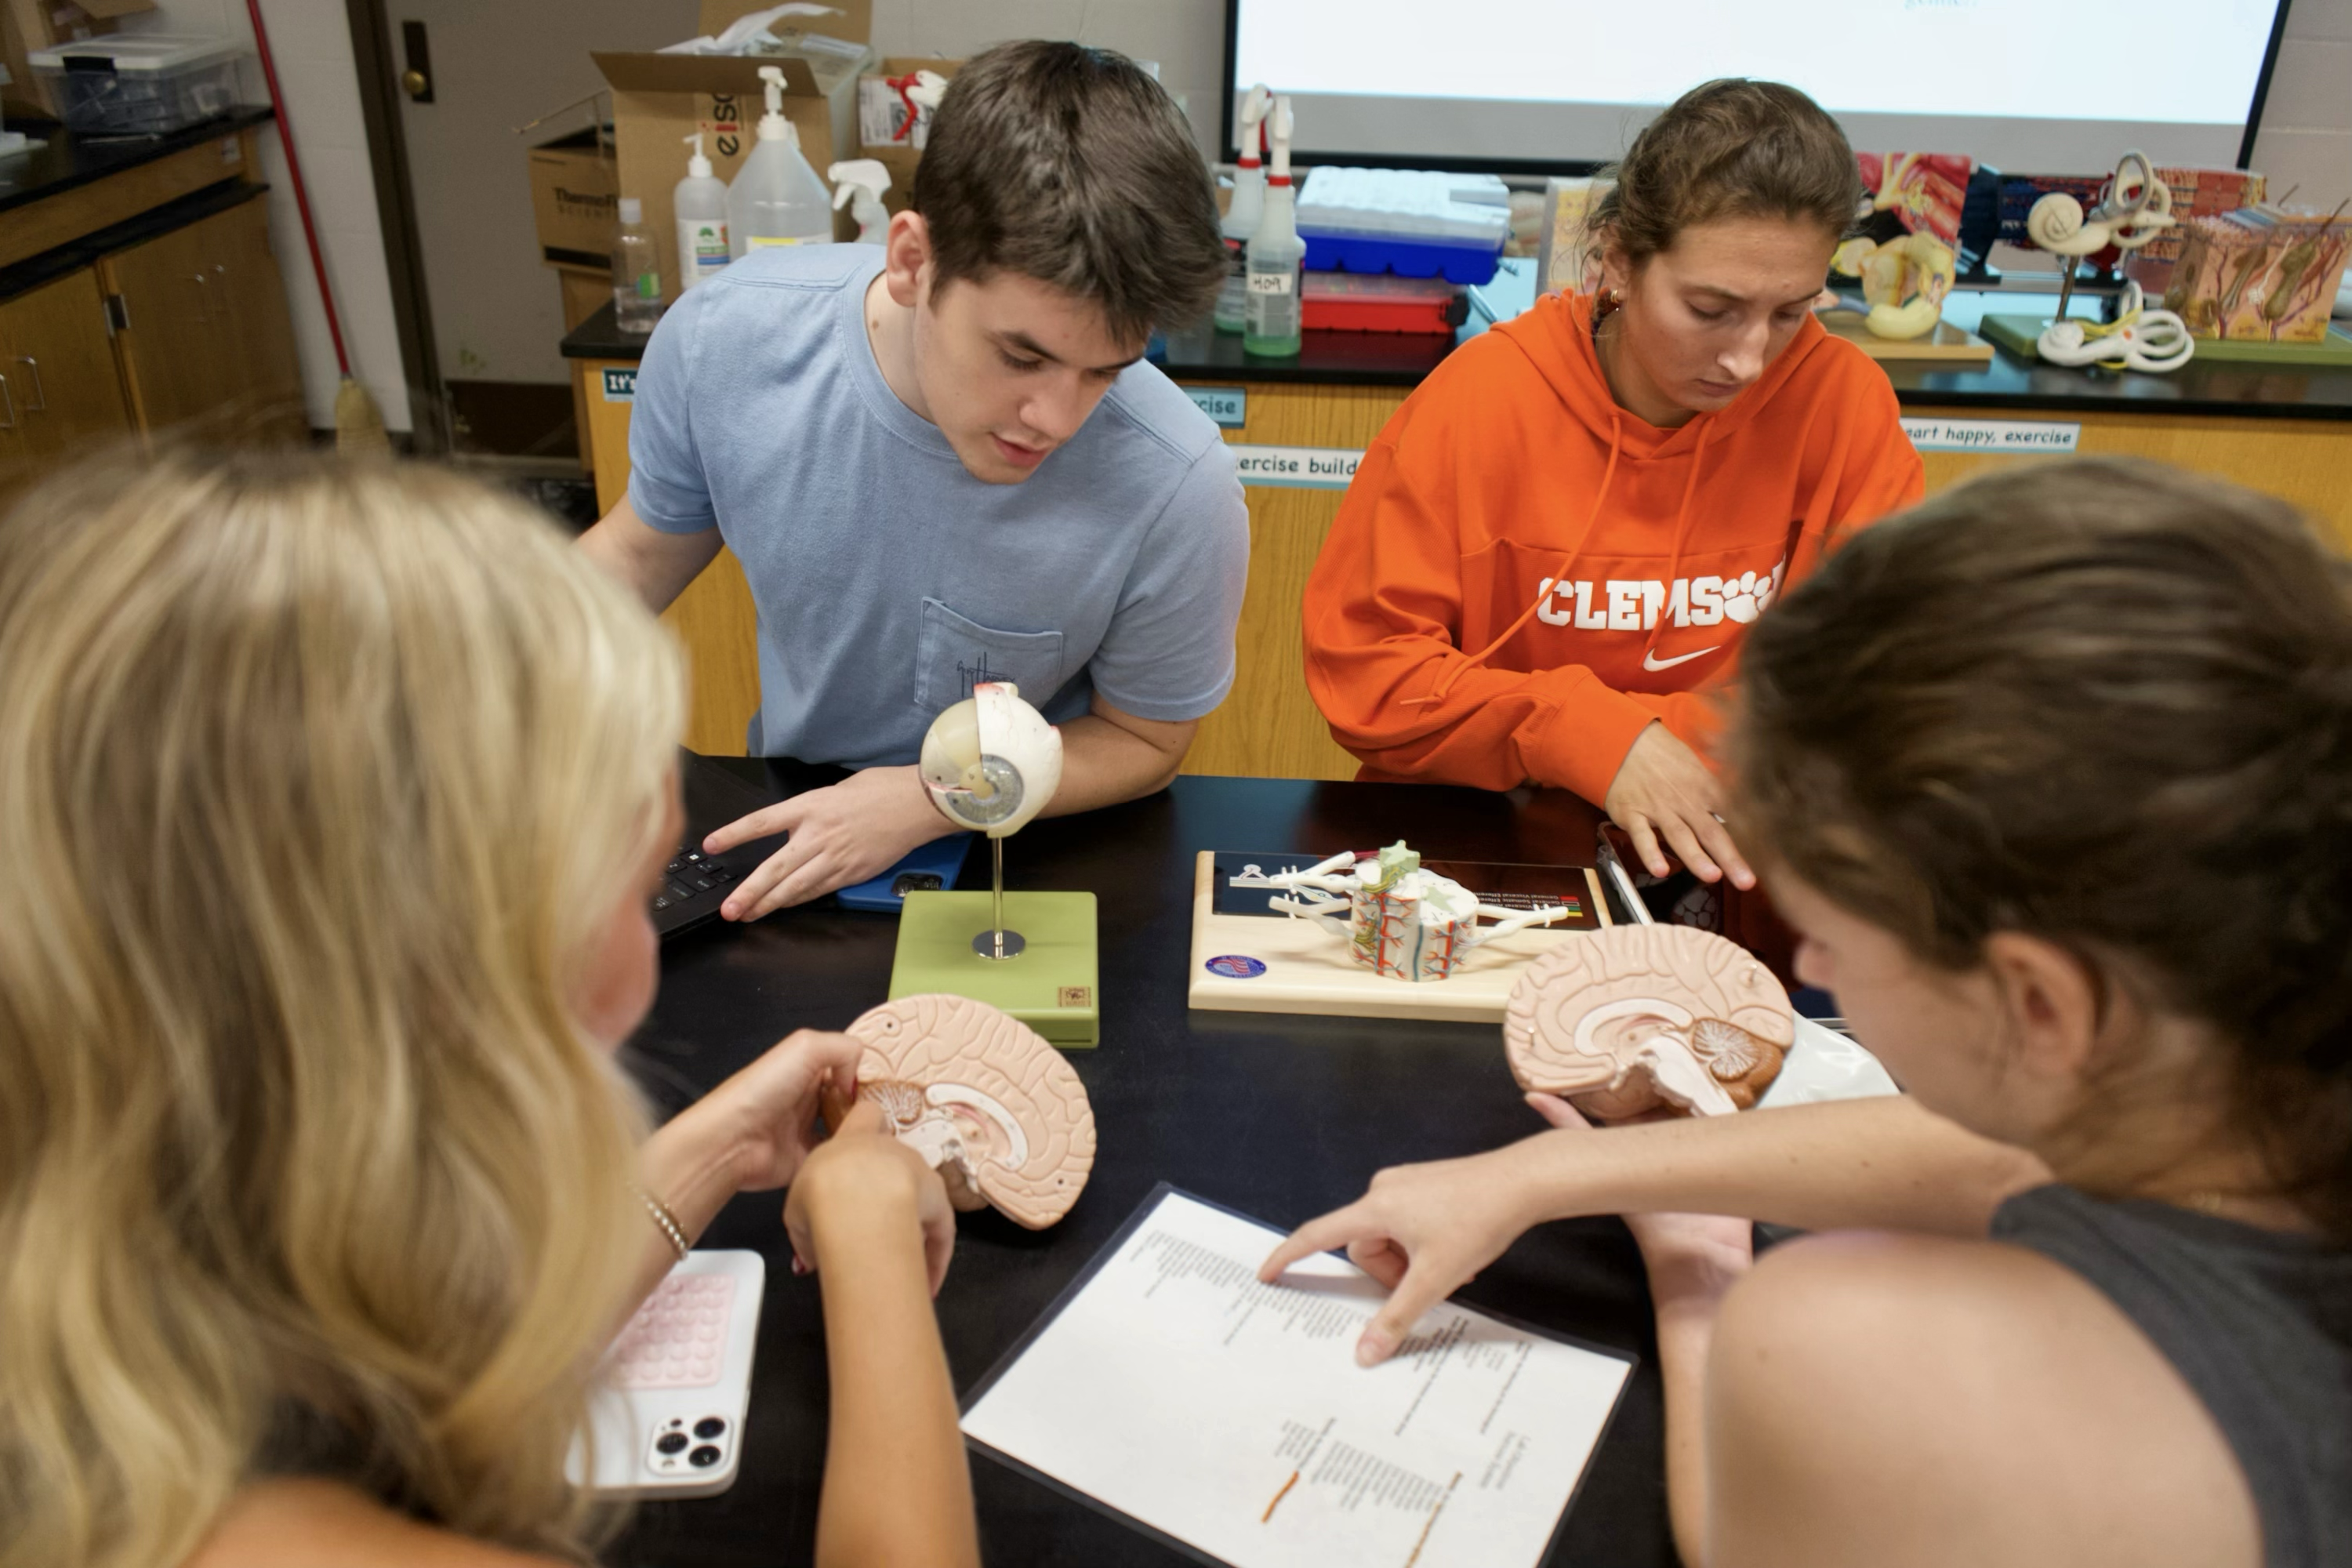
x=1454, y=671
x=1682, y=537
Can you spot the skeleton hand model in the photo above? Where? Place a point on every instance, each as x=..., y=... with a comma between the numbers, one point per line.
x=1636, y=1017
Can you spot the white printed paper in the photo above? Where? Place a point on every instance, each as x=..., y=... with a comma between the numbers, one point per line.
x=1233, y=1416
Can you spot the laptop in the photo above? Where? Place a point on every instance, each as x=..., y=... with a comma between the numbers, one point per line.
x=694, y=884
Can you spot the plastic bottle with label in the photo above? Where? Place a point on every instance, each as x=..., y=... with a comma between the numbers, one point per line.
x=700, y=202
x=1275, y=254
x=636, y=272
x=776, y=198
x=1242, y=214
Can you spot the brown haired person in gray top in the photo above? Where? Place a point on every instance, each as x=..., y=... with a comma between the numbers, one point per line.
x=942, y=461
x=2053, y=776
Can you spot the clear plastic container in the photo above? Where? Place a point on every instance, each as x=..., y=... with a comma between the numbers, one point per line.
x=143, y=84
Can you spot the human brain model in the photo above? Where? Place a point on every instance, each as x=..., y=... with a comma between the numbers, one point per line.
x=985, y=1100
x=1638, y=1017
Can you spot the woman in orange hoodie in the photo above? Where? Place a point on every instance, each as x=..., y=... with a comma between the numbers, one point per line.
x=1566, y=527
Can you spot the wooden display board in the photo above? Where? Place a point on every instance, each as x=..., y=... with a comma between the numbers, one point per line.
x=1307, y=968
x=1946, y=342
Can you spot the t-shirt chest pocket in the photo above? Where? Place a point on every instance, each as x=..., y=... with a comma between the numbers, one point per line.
x=954, y=654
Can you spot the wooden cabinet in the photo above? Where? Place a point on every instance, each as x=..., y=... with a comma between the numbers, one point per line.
x=202, y=333
x=60, y=391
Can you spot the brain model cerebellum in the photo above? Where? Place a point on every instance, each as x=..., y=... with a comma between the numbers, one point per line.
x=1637, y=1018
x=985, y=1100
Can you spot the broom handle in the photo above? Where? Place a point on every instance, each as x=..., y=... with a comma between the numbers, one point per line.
x=302, y=192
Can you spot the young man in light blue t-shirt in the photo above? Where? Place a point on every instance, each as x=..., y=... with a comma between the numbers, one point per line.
x=942, y=461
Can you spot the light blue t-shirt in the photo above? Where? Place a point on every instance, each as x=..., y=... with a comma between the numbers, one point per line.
x=888, y=579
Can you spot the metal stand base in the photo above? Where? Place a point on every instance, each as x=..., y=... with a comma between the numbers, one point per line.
x=997, y=942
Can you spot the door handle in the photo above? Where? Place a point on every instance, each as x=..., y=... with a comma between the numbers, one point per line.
x=204, y=298
x=10, y=399
x=416, y=80
x=29, y=362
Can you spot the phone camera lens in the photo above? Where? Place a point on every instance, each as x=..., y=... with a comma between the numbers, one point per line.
x=669, y=1442
x=705, y=1457
x=709, y=1426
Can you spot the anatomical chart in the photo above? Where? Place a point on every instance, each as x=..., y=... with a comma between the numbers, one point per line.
x=1231, y=1415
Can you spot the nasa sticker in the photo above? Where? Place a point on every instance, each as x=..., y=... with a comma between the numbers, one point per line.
x=1235, y=967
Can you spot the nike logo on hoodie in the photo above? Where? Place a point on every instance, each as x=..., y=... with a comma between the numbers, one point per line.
x=1518, y=558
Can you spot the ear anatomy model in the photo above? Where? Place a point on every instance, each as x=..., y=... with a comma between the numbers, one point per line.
x=1640, y=1016
x=1399, y=919
x=988, y=1103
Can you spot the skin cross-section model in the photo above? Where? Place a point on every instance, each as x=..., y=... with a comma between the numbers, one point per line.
x=994, y=1107
x=1638, y=1017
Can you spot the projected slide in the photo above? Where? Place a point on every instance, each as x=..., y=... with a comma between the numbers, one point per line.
x=2020, y=83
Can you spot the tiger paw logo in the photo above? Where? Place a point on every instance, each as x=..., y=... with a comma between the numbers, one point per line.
x=1744, y=596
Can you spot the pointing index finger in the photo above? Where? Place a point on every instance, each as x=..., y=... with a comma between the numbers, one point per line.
x=1330, y=1232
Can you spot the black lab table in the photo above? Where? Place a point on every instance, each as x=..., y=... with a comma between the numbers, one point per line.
x=1279, y=1117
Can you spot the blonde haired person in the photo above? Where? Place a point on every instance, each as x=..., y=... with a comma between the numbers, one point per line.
x=330, y=798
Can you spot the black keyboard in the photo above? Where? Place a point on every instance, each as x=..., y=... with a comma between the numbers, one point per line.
x=691, y=873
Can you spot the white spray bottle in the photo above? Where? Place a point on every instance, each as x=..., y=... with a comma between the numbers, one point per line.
x=699, y=203
x=1276, y=253
x=1242, y=213
x=862, y=181
x=776, y=198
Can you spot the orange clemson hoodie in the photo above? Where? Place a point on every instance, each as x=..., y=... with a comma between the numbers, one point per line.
x=1522, y=575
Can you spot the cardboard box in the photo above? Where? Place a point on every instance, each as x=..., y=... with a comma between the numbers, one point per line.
x=659, y=99
x=575, y=199
x=899, y=158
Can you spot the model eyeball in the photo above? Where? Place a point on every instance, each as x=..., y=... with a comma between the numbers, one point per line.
x=992, y=763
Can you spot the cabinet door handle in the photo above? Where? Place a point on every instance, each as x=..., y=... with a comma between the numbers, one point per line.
x=42, y=405
x=10, y=397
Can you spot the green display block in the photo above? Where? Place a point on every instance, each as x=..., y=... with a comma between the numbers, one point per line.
x=1051, y=985
x=2020, y=333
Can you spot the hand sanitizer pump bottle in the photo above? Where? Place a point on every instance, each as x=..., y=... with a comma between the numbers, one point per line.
x=701, y=203
x=1276, y=253
x=636, y=275
x=776, y=198
x=1242, y=214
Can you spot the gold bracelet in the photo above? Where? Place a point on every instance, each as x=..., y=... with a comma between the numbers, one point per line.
x=666, y=1222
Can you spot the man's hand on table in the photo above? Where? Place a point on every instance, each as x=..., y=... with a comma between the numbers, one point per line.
x=842, y=834
x=1664, y=791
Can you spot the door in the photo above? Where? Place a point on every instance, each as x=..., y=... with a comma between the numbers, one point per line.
x=59, y=390
x=468, y=74
x=201, y=330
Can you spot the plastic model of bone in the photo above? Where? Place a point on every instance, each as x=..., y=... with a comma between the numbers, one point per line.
x=1636, y=1018
x=1399, y=919
x=985, y=1100
x=1903, y=281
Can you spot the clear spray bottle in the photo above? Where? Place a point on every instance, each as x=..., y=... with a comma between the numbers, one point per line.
x=1242, y=214
x=1275, y=254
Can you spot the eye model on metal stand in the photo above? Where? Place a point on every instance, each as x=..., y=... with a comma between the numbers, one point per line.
x=990, y=763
